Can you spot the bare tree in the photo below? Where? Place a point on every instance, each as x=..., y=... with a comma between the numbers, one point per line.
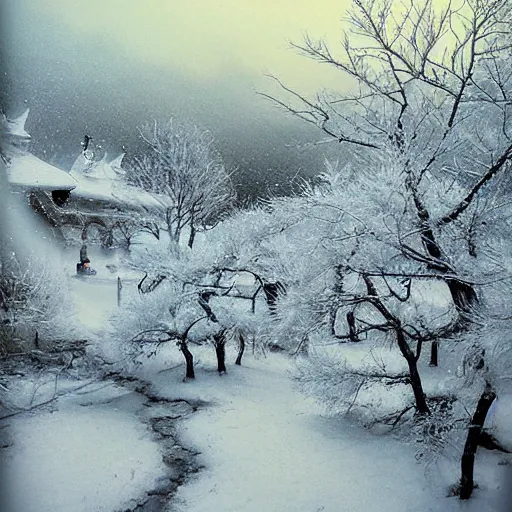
x=434, y=84
x=159, y=336
x=186, y=176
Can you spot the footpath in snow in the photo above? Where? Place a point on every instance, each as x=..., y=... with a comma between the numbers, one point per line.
x=87, y=451
x=264, y=446
x=70, y=442
x=267, y=448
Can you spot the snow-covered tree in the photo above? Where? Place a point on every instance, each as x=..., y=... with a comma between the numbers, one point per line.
x=31, y=299
x=428, y=125
x=432, y=84
x=32, y=292
x=185, y=174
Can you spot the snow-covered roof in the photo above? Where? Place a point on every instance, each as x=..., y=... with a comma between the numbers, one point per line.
x=16, y=126
x=102, y=181
x=29, y=172
x=85, y=165
x=116, y=164
x=115, y=192
x=25, y=170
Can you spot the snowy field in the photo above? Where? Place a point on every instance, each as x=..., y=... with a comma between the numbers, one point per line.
x=89, y=449
x=90, y=452
x=264, y=446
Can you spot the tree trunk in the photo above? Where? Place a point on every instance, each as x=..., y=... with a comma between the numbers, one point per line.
x=220, y=351
x=433, y=353
x=474, y=432
x=405, y=349
x=192, y=235
x=332, y=320
x=204, y=299
x=189, y=360
x=417, y=387
x=221, y=358
x=352, y=331
x=464, y=295
x=241, y=349
x=337, y=289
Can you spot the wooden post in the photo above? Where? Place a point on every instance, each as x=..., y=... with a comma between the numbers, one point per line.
x=119, y=288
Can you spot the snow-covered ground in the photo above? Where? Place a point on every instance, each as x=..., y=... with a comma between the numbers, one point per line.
x=89, y=452
x=263, y=444
x=95, y=297
x=88, y=449
x=267, y=447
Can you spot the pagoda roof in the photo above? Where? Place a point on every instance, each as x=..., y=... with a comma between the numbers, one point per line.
x=16, y=127
x=31, y=173
x=102, y=181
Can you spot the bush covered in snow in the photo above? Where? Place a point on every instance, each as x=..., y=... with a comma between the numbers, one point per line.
x=32, y=305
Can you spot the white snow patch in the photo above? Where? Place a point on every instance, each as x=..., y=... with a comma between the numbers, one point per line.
x=29, y=172
x=499, y=420
x=81, y=460
x=267, y=447
x=94, y=301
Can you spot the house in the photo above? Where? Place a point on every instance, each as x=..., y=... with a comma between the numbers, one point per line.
x=104, y=199
x=93, y=193
x=101, y=187
x=25, y=171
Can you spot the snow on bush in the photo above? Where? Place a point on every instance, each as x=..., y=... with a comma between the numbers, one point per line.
x=32, y=296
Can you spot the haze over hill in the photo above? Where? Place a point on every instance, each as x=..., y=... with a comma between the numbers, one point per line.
x=104, y=69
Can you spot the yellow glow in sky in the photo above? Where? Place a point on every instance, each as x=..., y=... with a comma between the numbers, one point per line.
x=212, y=38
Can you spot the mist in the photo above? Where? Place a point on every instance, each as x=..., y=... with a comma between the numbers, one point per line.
x=80, y=76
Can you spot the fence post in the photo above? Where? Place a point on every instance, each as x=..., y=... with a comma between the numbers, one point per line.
x=119, y=288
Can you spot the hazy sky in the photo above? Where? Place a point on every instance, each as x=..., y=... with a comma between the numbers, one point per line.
x=103, y=67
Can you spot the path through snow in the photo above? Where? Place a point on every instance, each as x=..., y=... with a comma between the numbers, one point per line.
x=91, y=448
x=266, y=448
x=90, y=452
